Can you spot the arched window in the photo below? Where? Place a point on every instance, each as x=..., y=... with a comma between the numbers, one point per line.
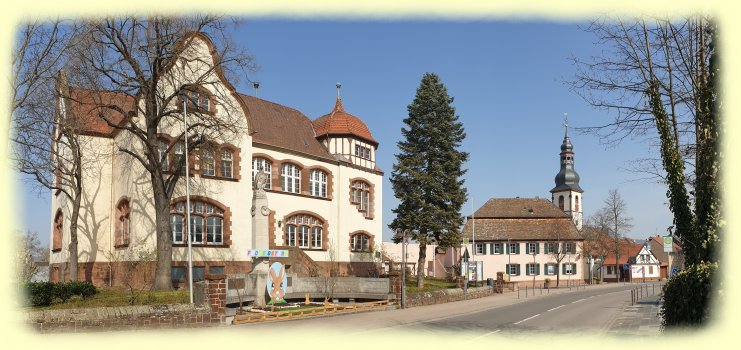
x=208, y=162
x=264, y=165
x=304, y=231
x=58, y=227
x=360, y=196
x=360, y=242
x=577, y=203
x=291, y=175
x=123, y=220
x=206, y=222
x=318, y=183
x=226, y=163
x=560, y=202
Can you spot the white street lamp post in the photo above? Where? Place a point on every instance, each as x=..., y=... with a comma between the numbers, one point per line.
x=187, y=200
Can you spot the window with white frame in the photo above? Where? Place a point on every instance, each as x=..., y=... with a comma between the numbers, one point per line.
x=318, y=183
x=360, y=242
x=360, y=196
x=532, y=269
x=532, y=248
x=480, y=249
x=305, y=231
x=550, y=269
x=227, y=164
x=514, y=248
x=568, y=269
x=569, y=247
x=550, y=247
x=496, y=248
x=513, y=269
x=179, y=150
x=291, y=175
x=206, y=222
x=362, y=152
x=208, y=162
x=162, y=153
x=264, y=165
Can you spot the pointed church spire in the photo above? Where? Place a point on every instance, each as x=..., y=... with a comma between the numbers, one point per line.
x=566, y=124
x=338, y=105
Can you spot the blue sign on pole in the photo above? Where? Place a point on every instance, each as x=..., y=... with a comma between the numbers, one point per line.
x=674, y=271
x=625, y=266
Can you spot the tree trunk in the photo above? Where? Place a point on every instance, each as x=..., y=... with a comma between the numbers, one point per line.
x=421, y=265
x=73, y=254
x=558, y=274
x=163, y=272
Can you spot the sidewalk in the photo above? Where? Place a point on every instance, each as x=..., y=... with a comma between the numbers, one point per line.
x=641, y=319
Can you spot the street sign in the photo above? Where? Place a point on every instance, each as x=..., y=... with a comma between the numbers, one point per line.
x=668, y=244
x=465, y=255
x=625, y=266
x=465, y=241
x=267, y=253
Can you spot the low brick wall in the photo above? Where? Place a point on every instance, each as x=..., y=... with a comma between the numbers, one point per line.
x=209, y=312
x=122, y=318
x=446, y=296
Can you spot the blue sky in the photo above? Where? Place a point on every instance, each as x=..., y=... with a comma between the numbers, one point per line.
x=507, y=81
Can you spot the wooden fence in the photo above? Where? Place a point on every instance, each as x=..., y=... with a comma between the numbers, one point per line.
x=300, y=313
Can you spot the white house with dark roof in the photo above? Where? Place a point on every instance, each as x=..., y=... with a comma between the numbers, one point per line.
x=532, y=239
x=324, y=188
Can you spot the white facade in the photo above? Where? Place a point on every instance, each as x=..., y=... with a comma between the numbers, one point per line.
x=112, y=178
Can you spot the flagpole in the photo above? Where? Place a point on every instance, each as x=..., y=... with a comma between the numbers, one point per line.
x=187, y=201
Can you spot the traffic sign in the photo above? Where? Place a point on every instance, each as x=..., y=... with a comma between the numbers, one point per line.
x=668, y=244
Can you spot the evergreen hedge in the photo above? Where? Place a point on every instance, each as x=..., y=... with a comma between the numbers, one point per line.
x=45, y=293
x=687, y=296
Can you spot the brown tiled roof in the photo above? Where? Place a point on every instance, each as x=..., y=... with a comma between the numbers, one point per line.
x=284, y=127
x=628, y=249
x=519, y=208
x=522, y=229
x=90, y=107
x=339, y=122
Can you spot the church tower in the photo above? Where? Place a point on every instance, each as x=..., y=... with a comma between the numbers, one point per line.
x=567, y=194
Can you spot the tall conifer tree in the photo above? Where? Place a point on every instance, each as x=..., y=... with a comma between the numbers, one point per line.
x=427, y=175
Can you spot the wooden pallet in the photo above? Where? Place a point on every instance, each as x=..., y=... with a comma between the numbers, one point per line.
x=301, y=313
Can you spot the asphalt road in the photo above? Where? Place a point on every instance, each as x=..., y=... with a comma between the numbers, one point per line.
x=594, y=308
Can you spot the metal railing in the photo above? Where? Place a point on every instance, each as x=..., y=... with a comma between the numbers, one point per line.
x=645, y=290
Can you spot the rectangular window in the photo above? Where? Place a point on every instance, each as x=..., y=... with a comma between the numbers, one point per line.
x=209, y=163
x=196, y=229
x=177, y=273
x=291, y=178
x=550, y=248
x=532, y=248
x=214, y=227
x=290, y=235
x=303, y=237
x=216, y=270
x=199, y=273
x=568, y=269
x=531, y=269
x=569, y=248
x=362, y=152
x=316, y=237
x=176, y=223
x=514, y=269
x=496, y=248
x=480, y=249
x=162, y=152
x=226, y=164
x=550, y=269
x=514, y=248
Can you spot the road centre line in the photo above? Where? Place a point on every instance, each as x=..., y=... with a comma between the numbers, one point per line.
x=529, y=318
x=576, y=301
x=487, y=334
x=557, y=307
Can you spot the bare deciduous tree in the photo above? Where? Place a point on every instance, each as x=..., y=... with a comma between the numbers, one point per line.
x=614, y=216
x=45, y=144
x=157, y=62
x=29, y=253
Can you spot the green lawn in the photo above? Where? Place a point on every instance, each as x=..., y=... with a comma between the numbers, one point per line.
x=430, y=285
x=108, y=297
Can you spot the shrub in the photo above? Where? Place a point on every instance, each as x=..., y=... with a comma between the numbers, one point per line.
x=62, y=291
x=687, y=296
x=84, y=289
x=40, y=293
